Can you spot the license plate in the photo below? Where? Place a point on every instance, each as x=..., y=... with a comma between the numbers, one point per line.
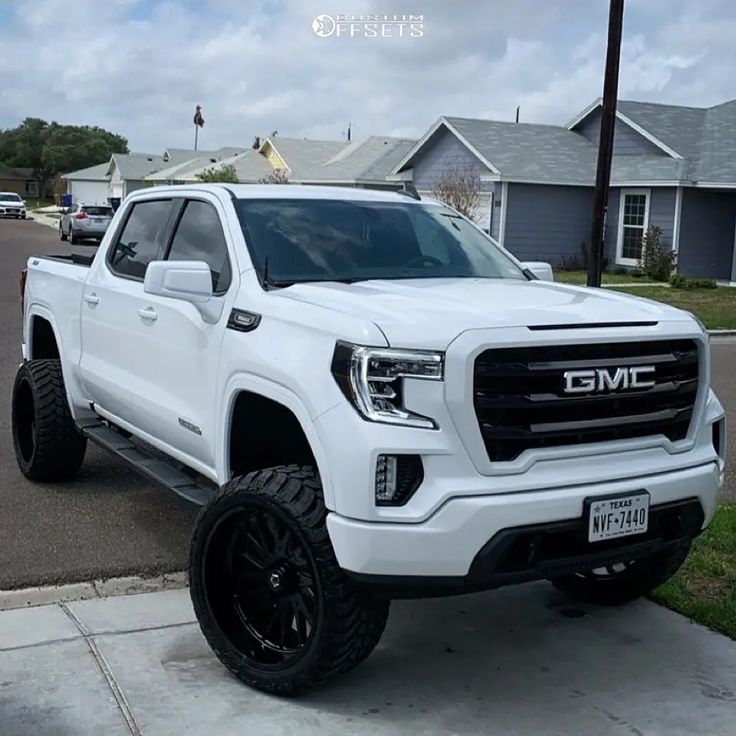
x=617, y=516
x=95, y=220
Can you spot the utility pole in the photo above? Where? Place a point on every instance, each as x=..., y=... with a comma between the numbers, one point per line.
x=605, y=143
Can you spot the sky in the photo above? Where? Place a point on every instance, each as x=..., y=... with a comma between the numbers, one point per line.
x=139, y=67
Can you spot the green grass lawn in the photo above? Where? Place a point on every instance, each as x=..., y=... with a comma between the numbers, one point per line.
x=716, y=308
x=580, y=277
x=705, y=588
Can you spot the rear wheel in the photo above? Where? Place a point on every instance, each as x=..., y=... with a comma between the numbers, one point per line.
x=625, y=581
x=268, y=593
x=48, y=446
x=62, y=234
x=73, y=237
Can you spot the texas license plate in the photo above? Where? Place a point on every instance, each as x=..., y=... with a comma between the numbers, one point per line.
x=617, y=516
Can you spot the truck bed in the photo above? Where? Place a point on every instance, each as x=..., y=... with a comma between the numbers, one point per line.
x=76, y=258
x=53, y=291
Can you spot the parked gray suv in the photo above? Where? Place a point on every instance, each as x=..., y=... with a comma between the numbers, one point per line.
x=82, y=221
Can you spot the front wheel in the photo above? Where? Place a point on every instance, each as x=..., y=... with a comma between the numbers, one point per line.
x=48, y=446
x=624, y=581
x=267, y=590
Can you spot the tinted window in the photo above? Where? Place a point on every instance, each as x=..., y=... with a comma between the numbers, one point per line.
x=98, y=211
x=10, y=198
x=199, y=237
x=139, y=242
x=342, y=240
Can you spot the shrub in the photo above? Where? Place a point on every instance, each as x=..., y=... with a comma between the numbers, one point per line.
x=277, y=176
x=460, y=189
x=571, y=263
x=680, y=281
x=223, y=174
x=656, y=263
x=584, y=254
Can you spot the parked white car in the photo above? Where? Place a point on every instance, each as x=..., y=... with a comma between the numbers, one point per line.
x=374, y=401
x=12, y=205
x=85, y=222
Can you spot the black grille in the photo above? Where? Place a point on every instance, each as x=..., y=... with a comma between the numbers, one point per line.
x=520, y=401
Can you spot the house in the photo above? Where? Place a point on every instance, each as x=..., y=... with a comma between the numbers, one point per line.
x=674, y=167
x=182, y=162
x=364, y=163
x=90, y=185
x=19, y=180
x=126, y=172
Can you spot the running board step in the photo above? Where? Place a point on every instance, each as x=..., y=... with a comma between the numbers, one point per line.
x=147, y=463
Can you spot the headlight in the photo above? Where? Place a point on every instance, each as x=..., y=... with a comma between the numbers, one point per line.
x=373, y=380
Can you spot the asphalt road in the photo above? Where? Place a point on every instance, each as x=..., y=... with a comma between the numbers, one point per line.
x=109, y=522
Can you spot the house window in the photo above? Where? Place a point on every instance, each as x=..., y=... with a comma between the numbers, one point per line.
x=633, y=221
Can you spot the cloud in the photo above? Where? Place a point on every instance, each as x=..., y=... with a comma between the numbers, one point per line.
x=139, y=67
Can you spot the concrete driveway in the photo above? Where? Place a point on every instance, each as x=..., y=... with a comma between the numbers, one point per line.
x=521, y=661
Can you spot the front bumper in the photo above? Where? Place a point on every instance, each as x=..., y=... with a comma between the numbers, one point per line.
x=12, y=212
x=446, y=544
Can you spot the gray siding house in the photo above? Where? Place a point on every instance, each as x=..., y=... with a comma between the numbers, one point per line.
x=674, y=167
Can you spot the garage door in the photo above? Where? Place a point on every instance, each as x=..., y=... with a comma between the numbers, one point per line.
x=89, y=192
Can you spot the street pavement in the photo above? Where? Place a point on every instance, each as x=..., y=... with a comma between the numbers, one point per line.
x=517, y=661
x=109, y=522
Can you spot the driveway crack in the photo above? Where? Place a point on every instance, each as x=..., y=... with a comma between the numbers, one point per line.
x=115, y=689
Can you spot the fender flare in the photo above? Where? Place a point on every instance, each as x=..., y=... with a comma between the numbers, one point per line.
x=290, y=400
x=73, y=387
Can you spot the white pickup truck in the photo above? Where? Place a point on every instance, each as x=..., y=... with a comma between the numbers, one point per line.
x=373, y=400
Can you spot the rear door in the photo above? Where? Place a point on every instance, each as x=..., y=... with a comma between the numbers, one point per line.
x=116, y=348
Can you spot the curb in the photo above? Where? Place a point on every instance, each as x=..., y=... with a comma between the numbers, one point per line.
x=41, y=596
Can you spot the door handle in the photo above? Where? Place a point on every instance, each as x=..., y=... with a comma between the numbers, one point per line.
x=92, y=299
x=148, y=313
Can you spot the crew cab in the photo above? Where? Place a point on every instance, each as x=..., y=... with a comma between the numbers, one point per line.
x=372, y=400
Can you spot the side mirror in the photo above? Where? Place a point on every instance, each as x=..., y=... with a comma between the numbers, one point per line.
x=543, y=271
x=188, y=281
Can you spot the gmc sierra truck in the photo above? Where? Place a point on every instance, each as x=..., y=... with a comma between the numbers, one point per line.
x=371, y=399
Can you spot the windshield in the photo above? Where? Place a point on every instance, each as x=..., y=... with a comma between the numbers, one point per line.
x=340, y=240
x=10, y=198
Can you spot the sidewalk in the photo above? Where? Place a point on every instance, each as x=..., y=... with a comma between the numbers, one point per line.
x=515, y=661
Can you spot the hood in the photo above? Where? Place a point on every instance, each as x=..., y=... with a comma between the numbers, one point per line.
x=431, y=313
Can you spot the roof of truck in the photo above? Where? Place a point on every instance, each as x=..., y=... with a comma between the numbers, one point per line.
x=294, y=191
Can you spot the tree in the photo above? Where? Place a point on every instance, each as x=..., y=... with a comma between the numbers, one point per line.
x=219, y=174
x=461, y=190
x=51, y=149
x=277, y=176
